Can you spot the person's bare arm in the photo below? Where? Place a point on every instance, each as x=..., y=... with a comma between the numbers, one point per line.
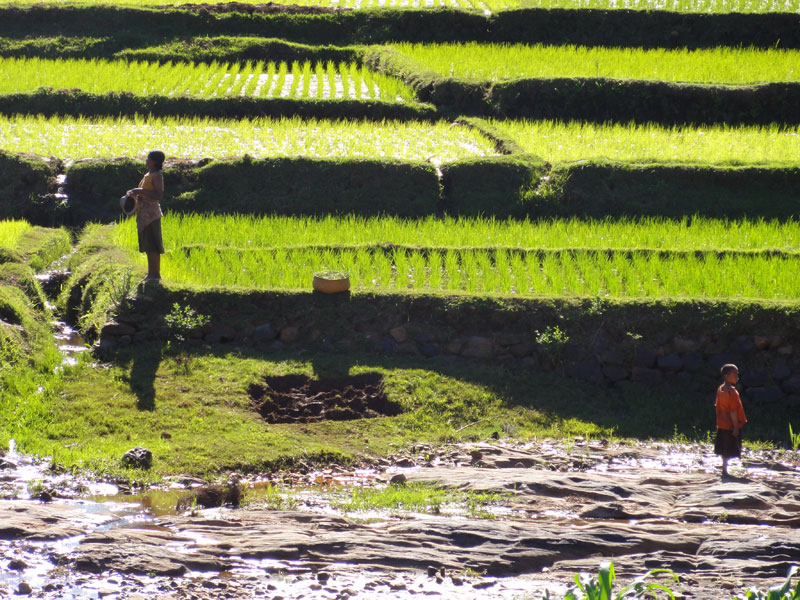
x=155, y=194
x=735, y=421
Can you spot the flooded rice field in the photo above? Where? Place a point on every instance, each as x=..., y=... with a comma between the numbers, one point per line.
x=516, y=520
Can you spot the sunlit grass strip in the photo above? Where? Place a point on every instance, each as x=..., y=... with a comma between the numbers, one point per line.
x=578, y=273
x=71, y=138
x=416, y=498
x=557, y=141
x=688, y=234
x=260, y=79
x=683, y=6
x=503, y=61
x=11, y=232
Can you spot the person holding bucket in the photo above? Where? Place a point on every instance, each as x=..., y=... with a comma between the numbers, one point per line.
x=147, y=205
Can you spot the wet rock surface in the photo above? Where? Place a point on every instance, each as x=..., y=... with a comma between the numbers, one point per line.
x=564, y=508
x=300, y=399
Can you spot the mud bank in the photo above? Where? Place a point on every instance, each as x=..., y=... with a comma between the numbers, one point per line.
x=566, y=508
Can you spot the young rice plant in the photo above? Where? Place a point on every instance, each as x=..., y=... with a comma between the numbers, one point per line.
x=556, y=141
x=73, y=138
x=11, y=232
x=214, y=80
x=656, y=233
x=725, y=65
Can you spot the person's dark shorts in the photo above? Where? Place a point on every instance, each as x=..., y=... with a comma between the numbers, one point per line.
x=726, y=445
x=150, y=238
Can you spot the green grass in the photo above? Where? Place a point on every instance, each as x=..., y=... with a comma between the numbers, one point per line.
x=684, y=6
x=557, y=141
x=214, y=427
x=413, y=497
x=252, y=80
x=247, y=231
x=11, y=232
x=71, y=138
x=504, y=61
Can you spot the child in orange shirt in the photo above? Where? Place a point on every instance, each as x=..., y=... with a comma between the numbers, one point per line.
x=730, y=417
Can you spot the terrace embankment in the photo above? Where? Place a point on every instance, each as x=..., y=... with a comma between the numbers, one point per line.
x=621, y=344
x=550, y=26
x=599, y=99
x=513, y=185
x=561, y=510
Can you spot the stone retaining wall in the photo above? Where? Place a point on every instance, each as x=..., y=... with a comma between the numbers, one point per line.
x=607, y=355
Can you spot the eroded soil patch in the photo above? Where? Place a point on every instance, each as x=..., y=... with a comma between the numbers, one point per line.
x=300, y=399
x=268, y=7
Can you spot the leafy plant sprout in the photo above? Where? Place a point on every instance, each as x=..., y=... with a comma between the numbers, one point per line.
x=601, y=586
x=777, y=592
x=794, y=438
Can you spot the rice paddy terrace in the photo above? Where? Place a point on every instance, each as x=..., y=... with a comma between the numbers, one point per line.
x=559, y=219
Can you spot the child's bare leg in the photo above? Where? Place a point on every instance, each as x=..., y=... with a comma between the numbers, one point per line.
x=725, y=465
x=153, y=264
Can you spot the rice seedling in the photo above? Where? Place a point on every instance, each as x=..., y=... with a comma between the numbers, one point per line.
x=720, y=145
x=11, y=232
x=577, y=273
x=73, y=138
x=214, y=80
x=656, y=233
x=725, y=65
x=487, y=6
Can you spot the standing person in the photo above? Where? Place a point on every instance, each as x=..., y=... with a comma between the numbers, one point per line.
x=148, y=216
x=730, y=418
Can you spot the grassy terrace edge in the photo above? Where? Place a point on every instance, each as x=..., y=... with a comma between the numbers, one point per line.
x=329, y=343
x=75, y=103
x=595, y=99
x=512, y=185
x=548, y=26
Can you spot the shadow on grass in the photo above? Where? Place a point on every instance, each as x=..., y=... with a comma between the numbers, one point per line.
x=144, y=361
x=664, y=412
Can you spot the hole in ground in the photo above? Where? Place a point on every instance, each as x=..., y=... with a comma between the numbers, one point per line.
x=300, y=399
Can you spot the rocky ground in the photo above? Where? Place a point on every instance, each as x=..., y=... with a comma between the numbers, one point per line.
x=566, y=507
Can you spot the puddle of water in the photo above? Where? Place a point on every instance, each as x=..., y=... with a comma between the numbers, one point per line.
x=70, y=342
x=32, y=474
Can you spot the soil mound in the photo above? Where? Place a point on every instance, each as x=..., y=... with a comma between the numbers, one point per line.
x=268, y=7
x=300, y=399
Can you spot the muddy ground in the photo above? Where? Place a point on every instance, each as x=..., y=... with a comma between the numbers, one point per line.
x=563, y=508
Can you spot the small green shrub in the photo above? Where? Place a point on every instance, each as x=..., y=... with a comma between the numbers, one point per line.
x=183, y=320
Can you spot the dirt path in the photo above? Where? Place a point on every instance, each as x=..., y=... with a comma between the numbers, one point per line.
x=565, y=509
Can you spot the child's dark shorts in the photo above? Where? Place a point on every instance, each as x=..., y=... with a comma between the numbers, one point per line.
x=726, y=445
x=150, y=238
